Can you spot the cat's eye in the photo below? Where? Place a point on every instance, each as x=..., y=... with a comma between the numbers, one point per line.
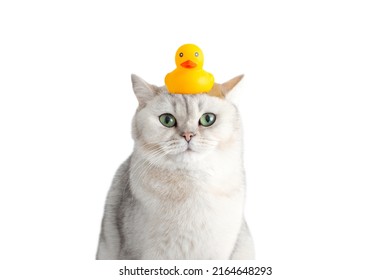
x=196, y=54
x=181, y=54
x=167, y=120
x=207, y=119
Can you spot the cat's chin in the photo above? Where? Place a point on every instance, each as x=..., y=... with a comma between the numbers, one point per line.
x=187, y=157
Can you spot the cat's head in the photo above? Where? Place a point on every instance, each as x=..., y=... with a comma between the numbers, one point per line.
x=181, y=128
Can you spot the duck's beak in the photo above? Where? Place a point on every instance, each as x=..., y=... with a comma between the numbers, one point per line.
x=188, y=64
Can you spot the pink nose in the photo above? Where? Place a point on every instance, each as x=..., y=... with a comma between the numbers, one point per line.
x=188, y=136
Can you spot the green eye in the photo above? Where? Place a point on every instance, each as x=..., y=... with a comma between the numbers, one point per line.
x=207, y=119
x=167, y=120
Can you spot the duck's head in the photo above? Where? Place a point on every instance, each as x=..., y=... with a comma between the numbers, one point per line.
x=189, y=56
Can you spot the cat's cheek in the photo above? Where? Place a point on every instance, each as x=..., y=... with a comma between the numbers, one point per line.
x=150, y=129
x=219, y=132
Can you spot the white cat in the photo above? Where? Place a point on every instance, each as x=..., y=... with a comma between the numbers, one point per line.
x=181, y=193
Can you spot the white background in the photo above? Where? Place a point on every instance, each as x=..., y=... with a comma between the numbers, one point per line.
x=315, y=108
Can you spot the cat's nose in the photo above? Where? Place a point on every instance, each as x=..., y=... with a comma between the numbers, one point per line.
x=188, y=135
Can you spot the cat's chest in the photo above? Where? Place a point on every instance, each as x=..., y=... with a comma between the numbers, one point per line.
x=201, y=228
x=187, y=215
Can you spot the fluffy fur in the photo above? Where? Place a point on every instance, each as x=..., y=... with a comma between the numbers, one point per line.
x=174, y=199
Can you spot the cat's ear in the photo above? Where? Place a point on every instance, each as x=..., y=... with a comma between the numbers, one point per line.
x=224, y=90
x=228, y=86
x=142, y=90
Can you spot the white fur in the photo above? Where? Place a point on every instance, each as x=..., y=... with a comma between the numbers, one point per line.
x=174, y=200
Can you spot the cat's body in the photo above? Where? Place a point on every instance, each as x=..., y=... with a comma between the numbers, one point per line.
x=181, y=193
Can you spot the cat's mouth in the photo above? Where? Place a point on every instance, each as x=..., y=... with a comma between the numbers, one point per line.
x=188, y=150
x=181, y=148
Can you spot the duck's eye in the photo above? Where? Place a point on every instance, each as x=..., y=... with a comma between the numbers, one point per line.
x=167, y=120
x=181, y=54
x=207, y=119
x=196, y=54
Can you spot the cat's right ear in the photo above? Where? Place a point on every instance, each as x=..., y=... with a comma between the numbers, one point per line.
x=142, y=90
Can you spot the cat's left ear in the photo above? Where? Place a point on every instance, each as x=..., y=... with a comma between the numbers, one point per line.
x=225, y=90
x=142, y=90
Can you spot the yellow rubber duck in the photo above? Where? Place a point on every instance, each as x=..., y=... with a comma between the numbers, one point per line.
x=189, y=77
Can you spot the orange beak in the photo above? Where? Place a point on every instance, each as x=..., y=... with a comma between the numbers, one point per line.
x=188, y=64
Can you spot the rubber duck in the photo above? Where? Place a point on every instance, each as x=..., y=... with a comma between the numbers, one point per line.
x=189, y=76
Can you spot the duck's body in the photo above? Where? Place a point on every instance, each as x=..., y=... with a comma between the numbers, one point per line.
x=189, y=77
x=189, y=81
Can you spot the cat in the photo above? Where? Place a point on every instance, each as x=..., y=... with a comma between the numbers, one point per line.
x=180, y=195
